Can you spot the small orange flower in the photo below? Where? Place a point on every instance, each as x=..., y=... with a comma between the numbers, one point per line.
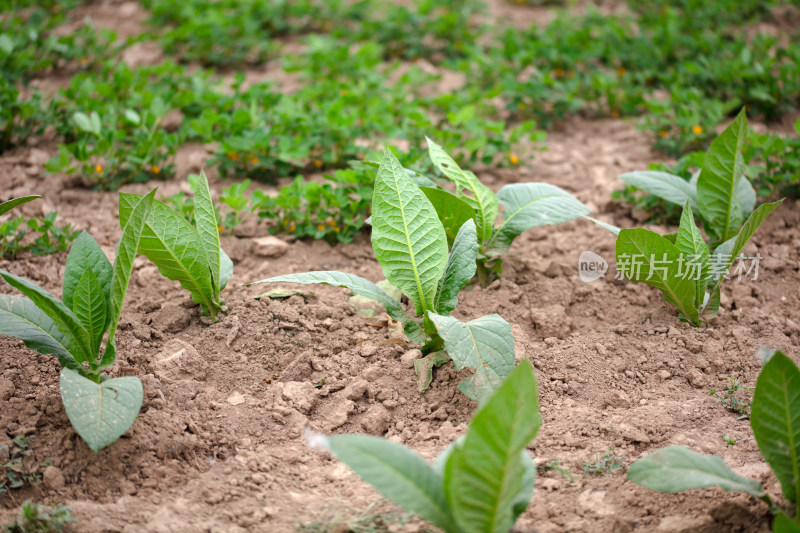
x=320, y=227
x=663, y=134
x=156, y=169
x=558, y=72
x=219, y=228
x=698, y=130
x=514, y=159
x=336, y=229
x=292, y=228
x=621, y=71
x=253, y=160
x=317, y=163
x=233, y=156
x=331, y=222
x=615, y=114
x=98, y=169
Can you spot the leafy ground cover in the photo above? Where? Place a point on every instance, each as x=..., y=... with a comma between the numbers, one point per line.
x=287, y=107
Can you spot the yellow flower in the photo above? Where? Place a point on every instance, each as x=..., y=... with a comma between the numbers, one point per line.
x=317, y=163
x=331, y=222
x=253, y=160
x=219, y=228
x=621, y=71
x=698, y=130
x=615, y=114
x=558, y=72
x=320, y=227
x=292, y=228
x=514, y=159
x=336, y=229
x=98, y=169
x=156, y=169
x=663, y=134
x=233, y=156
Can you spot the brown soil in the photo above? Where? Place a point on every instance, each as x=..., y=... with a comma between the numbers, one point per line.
x=219, y=443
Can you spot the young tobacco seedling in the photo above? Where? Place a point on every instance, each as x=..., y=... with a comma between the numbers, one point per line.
x=182, y=252
x=480, y=483
x=686, y=269
x=526, y=205
x=410, y=244
x=775, y=421
x=100, y=409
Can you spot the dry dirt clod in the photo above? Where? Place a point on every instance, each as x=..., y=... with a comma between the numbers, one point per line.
x=172, y=318
x=53, y=478
x=7, y=389
x=269, y=247
x=409, y=357
x=376, y=420
x=178, y=360
x=299, y=394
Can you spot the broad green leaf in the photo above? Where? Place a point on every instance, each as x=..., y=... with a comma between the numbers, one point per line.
x=784, y=524
x=485, y=477
x=174, y=246
x=775, y=419
x=666, y=186
x=398, y=473
x=8, y=205
x=480, y=198
x=694, y=252
x=452, y=211
x=647, y=257
x=527, y=205
x=407, y=237
x=91, y=308
x=226, y=269
x=485, y=344
x=718, y=183
x=83, y=122
x=100, y=412
x=208, y=230
x=62, y=317
x=129, y=242
x=525, y=494
x=675, y=468
x=359, y=286
x=20, y=318
x=610, y=227
x=85, y=254
x=424, y=368
x=460, y=268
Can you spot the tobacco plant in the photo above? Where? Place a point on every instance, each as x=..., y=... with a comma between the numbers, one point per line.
x=100, y=408
x=775, y=421
x=410, y=244
x=525, y=206
x=686, y=269
x=480, y=483
x=182, y=252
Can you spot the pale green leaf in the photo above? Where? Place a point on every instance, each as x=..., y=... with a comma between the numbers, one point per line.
x=424, y=368
x=359, y=286
x=647, y=257
x=62, y=317
x=666, y=186
x=485, y=344
x=174, y=246
x=460, y=268
x=527, y=205
x=129, y=242
x=91, y=308
x=775, y=419
x=695, y=254
x=20, y=318
x=100, y=412
x=675, y=469
x=486, y=476
x=226, y=269
x=8, y=205
x=85, y=254
x=610, y=227
x=398, y=473
x=480, y=197
x=452, y=211
x=718, y=183
x=407, y=237
x=784, y=524
x=208, y=230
